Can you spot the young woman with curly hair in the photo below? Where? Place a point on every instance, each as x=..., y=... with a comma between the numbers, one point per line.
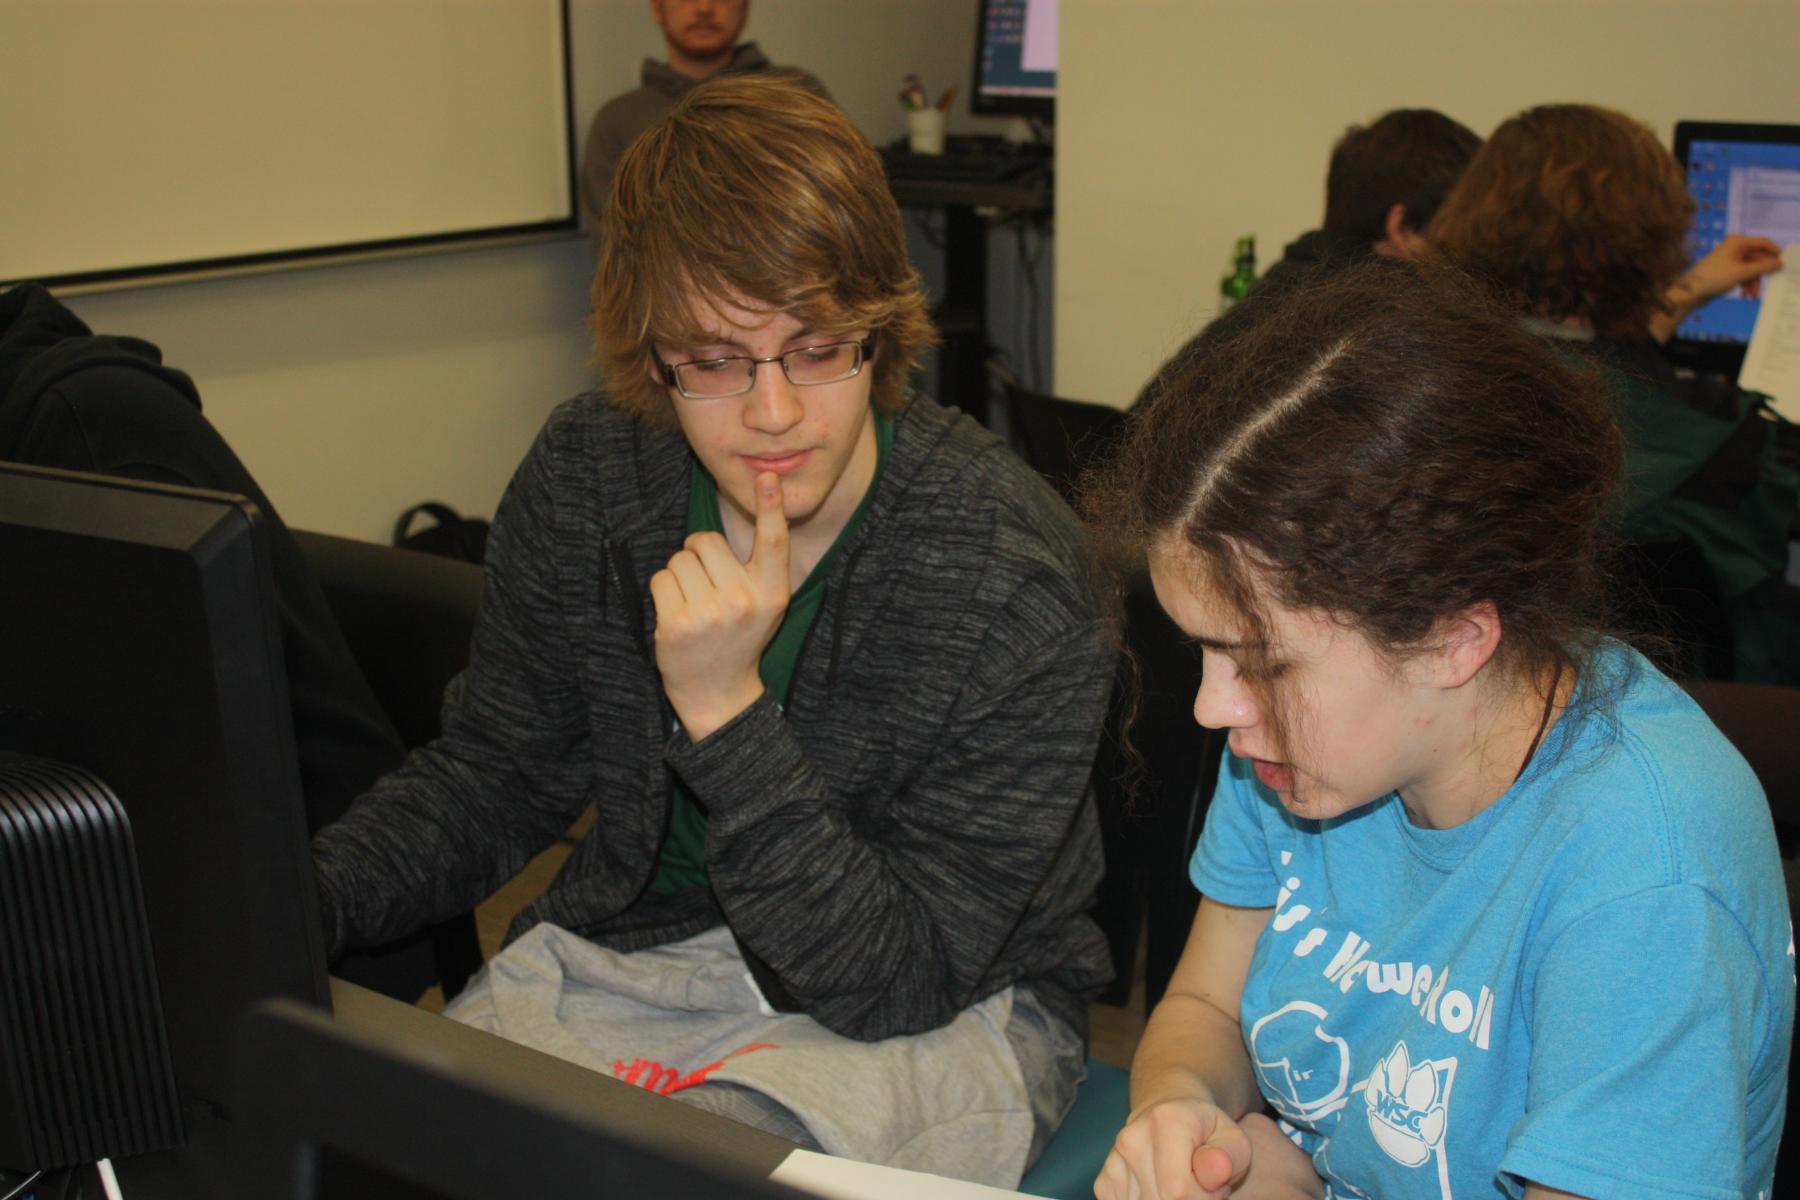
x=1490, y=907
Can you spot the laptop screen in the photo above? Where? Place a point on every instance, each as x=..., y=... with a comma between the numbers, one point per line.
x=1744, y=178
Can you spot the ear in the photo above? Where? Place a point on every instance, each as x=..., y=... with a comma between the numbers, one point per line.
x=1466, y=641
x=1401, y=240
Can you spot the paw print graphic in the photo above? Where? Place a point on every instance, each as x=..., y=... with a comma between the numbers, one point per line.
x=1407, y=1105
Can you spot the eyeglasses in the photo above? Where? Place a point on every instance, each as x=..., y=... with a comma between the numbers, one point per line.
x=809, y=366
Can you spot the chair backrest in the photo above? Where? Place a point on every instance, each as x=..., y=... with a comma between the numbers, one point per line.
x=1153, y=797
x=1181, y=767
x=1763, y=721
x=1060, y=437
x=407, y=617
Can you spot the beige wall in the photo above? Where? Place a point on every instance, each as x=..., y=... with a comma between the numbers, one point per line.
x=1184, y=123
x=353, y=391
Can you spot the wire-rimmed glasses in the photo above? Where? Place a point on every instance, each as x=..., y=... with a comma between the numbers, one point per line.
x=733, y=375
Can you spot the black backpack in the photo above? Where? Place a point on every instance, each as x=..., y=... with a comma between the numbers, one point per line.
x=453, y=535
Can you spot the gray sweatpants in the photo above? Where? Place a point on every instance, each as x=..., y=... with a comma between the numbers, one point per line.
x=976, y=1099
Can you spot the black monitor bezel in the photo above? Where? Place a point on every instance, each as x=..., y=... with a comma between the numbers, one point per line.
x=383, y=1097
x=227, y=875
x=1722, y=358
x=982, y=103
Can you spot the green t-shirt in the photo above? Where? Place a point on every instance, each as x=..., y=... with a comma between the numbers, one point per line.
x=682, y=861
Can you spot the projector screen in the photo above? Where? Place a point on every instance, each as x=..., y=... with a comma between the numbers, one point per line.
x=150, y=137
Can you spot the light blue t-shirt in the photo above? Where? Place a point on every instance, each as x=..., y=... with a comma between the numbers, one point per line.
x=1589, y=985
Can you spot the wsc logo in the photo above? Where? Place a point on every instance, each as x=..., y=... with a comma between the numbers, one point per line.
x=1408, y=1105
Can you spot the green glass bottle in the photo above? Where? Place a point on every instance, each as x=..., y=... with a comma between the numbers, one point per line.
x=1237, y=284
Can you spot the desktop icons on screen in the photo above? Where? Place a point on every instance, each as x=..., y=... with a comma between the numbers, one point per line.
x=1744, y=178
x=1015, y=58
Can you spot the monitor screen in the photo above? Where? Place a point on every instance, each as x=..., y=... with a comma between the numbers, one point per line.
x=1744, y=178
x=1015, y=58
x=138, y=637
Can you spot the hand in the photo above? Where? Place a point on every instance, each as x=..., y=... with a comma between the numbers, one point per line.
x=1176, y=1150
x=1737, y=261
x=715, y=616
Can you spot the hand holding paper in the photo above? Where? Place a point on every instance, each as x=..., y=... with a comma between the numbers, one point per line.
x=1772, y=364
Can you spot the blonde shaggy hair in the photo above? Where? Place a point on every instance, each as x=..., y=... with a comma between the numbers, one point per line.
x=758, y=191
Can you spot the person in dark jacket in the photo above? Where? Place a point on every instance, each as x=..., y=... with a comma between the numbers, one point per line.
x=1579, y=216
x=1385, y=181
x=84, y=402
x=702, y=41
x=824, y=656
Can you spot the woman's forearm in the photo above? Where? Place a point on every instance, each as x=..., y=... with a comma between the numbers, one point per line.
x=1192, y=1049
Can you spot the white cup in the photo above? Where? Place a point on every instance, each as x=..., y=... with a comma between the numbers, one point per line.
x=925, y=130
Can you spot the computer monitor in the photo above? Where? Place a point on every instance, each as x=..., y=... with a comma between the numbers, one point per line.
x=138, y=650
x=383, y=1101
x=1744, y=178
x=1015, y=59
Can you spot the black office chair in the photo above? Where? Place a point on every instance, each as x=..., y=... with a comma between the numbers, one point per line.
x=1060, y=437
x=1153, y=798
x=1155, y=769
x=1763, y=722
x=407, y=618
x=1153, y=777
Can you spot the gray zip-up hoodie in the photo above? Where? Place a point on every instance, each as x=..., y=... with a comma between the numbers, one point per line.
x=910, y=835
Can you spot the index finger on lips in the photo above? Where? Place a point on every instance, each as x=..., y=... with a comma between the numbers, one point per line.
x=768, y=563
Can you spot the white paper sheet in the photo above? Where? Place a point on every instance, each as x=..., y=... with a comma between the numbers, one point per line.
x=1772, y=363
x=841, y=1179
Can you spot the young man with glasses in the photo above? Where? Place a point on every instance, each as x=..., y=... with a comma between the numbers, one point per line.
x=822, y=654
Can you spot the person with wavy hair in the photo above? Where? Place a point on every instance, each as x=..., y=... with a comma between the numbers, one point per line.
x=1486, y=897
x=826, y=659
x=1579, y=216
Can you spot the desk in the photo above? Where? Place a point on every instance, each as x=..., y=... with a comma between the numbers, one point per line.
x=962, y=314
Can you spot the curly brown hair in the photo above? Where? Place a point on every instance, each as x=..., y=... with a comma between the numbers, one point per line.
x=1388, y=445
x=1572, y=211
x=759, y=191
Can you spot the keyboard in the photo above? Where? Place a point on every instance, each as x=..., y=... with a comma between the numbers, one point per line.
x=963, y=167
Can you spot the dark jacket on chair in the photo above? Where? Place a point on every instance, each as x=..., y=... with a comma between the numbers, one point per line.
x=1700, y=463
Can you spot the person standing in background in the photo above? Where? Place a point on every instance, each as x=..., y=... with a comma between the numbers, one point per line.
x=702, y=40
